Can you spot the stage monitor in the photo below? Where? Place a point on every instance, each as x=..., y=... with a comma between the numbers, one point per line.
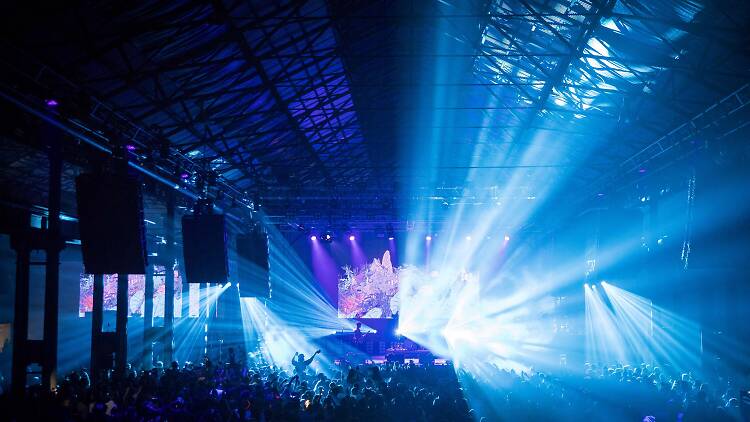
x=204, y=248
x=253, y=265
x=110, y=216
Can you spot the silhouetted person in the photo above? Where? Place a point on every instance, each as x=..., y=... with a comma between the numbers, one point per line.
x=300, y=364
x=358, y=333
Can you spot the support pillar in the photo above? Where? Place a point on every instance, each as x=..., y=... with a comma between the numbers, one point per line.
x=97, y=322
x=168, y=337
x=148, y=319
x=121, y=327
x=20, y=318
x=52, y=273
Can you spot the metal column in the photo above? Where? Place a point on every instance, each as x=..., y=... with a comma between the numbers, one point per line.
x=21, y=316
x=148, y=319
x=97, y=322
x=168, y=336
x=52, y=273
x=122, y=324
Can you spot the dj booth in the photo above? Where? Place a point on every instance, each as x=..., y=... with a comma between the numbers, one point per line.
x=376, y=348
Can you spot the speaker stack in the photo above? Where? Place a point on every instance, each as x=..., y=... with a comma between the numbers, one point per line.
x=204, y=246
x=253, y=265
x=110, y=218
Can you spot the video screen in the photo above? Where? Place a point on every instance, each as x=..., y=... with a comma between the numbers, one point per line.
x=379, y=289
x=369, y=291
x=136, y=293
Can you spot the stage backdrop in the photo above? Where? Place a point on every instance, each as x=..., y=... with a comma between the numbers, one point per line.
x=366, y=278
x=369, y=290
x=358, y=277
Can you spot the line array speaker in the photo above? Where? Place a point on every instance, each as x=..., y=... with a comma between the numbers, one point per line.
x=110, y=214
x=204, y=246
x=253, y=265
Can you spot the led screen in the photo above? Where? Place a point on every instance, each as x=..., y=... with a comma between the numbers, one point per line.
x=379, y=290
x=136, y=290
x=369, y=291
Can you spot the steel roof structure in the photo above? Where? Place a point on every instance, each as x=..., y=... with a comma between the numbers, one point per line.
x=317, y=109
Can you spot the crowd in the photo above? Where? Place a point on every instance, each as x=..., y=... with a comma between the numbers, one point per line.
x=395, y=392
x=605, y=393
x=254, y=392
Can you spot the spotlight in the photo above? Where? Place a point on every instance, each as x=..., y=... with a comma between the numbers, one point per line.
x=585, y=285
x=51, y=102
x=603, y=283
x=184, y=175
x=130, y=147
x=228, y=285
x=428, y=237
x=313, y=238
x=327, y=237
x=389, y=232
x=593, y=286
x=507, y=238
x=468, y=237
x=352, y=238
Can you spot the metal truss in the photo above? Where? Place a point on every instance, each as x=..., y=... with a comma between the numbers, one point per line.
x=309, y=106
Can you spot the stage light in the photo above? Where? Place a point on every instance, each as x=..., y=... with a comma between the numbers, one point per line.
x=184, y=175
x=313, y=238
x=51, y=102
x=328, y=237
x=507, y=238
x=352, y=238
x=468, y=238
x=585, y=285
x=603, y=283
x=391, y=237
x=130, y=147
x=428, y=237
x=593, y=286
x=228, y=285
